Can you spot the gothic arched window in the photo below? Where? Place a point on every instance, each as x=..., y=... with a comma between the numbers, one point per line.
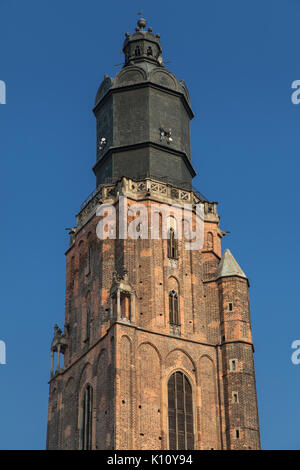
x=149, y=50
x=180, y=413
x=86, y=414
x=137, y=51
x=172, y=244
x=173, y=308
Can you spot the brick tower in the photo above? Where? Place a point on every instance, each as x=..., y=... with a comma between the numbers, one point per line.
x=156, y=351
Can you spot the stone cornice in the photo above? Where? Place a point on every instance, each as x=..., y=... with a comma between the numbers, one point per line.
x=147, y=144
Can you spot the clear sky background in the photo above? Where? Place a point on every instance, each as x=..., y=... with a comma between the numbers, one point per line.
x=238, y=59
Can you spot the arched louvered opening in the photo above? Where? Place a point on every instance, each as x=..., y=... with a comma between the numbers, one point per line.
x=86, y=415
x=180, y=412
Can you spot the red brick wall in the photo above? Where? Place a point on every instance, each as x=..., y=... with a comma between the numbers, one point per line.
x=129, y=364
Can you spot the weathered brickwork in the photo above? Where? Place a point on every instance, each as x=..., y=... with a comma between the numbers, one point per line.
x=157, y=341
x=128, y=361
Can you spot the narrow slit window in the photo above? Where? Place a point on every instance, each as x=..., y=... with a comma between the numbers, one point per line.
x=172, y=245
x=173, y=308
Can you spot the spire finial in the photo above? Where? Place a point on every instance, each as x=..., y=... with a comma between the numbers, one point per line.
x=141, y=22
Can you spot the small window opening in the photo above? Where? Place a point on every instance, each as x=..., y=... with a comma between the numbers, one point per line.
x=237, y=433
x=230, y=306
x=172, y=245
x=173, y=308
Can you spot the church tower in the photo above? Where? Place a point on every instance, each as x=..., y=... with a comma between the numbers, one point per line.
x=156, y=350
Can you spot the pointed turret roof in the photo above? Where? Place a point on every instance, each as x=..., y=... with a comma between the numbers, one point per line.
x=229, y=267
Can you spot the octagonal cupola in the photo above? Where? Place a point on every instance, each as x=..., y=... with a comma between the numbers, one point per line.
x=143, y=117
x=142, y=45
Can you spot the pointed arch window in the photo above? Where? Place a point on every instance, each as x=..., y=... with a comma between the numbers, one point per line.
x=137, y=51
x=180, y=412
x=173, y=308
x=172, y=245
x=86, y=414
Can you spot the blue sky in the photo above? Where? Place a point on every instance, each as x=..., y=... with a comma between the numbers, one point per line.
x=238, y=60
